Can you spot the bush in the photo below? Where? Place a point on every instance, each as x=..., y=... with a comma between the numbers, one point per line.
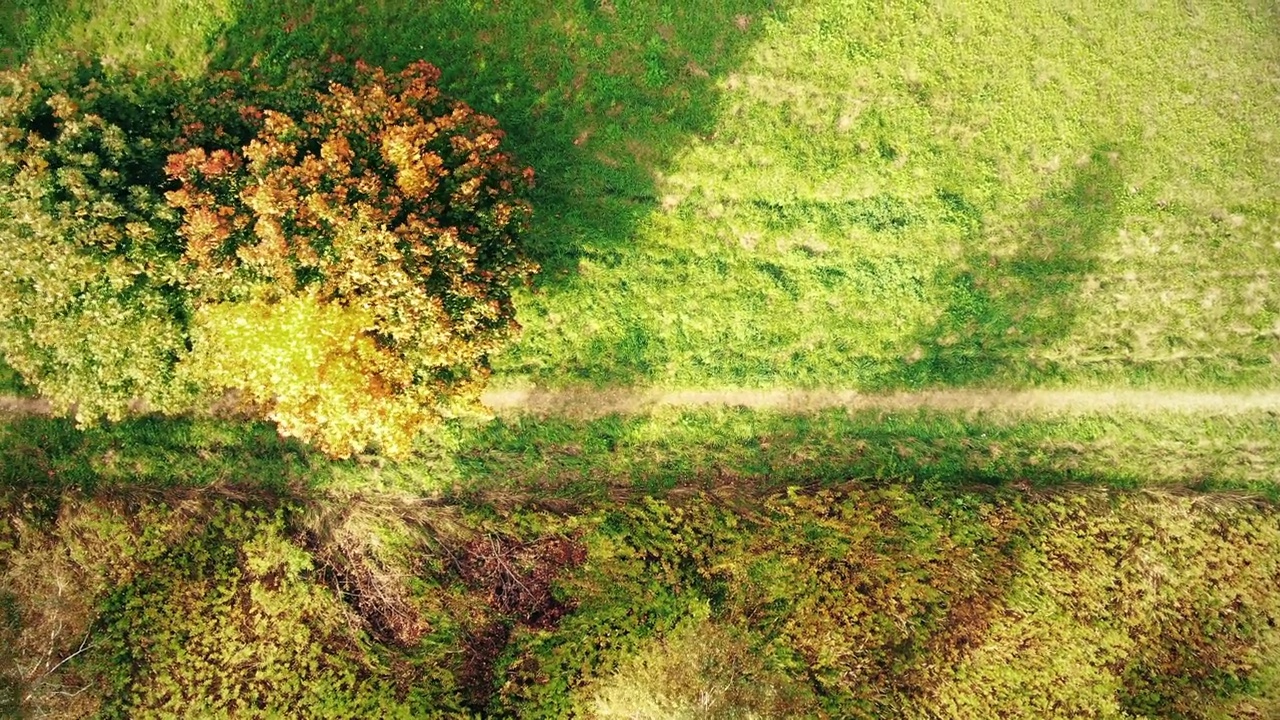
x=340, y=251
x=91, y=306
x=700, y=670
x=208, y=610
x=385, y=214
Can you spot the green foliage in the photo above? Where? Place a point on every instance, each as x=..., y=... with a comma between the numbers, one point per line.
x=1131, y=609
x=869, y=603
x=91, y=313
x=750, y=193
x=226, y=624
x=848, y=602
x=700, y=669
x=208, y=610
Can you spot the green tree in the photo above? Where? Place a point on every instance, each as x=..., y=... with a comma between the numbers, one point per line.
x=92, y=310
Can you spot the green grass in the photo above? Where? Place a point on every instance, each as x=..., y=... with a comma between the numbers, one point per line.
x=10, y=381
x=757, y=193
x=50, y=454
x=737, y=451
x=176, y=33
x=743, y=451
x=809, y=194
x=911, y=197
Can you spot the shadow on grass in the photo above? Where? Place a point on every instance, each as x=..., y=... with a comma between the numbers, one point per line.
x=751, y=453
x=10, y=381
x=1005, y=312
x=22, y=25
x=598, y=97
x=47, y=454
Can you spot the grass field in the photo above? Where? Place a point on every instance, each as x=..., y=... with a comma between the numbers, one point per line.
x=736, y=194
x=740, y=451
x=831, y=194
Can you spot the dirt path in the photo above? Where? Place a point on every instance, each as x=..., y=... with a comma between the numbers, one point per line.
x=586, y=403
x=11, y=405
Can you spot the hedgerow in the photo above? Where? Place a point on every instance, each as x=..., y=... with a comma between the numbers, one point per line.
x=852, y=603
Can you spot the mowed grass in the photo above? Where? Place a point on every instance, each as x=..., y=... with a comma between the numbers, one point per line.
x=843, y=194
x=926, y=194
x=750, y=451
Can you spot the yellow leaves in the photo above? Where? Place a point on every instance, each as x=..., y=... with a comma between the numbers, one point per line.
x=64, y=108
x=267, y=256
x=270, y=197
x=204, y=230
x=138, y=232
x=278, y=124
x=337, y=152
x=275, y=143
x=418, y=171
x=372, y=312
x=316, y=365
x=467, y=191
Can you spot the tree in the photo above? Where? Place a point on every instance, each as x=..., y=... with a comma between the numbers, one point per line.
x=340, y=253
x=352, y=264
x=92, y=311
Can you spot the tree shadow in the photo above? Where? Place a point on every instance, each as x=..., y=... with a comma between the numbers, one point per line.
x=51, y=455
x=22, y=25
x=1006, y=311
x=598, y=97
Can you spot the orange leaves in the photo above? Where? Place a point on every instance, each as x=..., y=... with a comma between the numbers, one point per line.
x=262, y=155
x=341, y=206
x=180, y=163
x=336, y=152
x=204, y=231
x=219, y=162
x=64, y=108
x=420, y=83
x=418, y=171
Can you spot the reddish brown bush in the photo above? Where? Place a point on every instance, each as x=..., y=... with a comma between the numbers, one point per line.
x=352, y=264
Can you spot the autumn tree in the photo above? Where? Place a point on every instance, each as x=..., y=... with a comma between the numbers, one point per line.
x=341, y=251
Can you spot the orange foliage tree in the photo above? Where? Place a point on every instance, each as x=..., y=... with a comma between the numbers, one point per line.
x=351, y=267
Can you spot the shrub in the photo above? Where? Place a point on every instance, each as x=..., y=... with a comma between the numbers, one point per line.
x=91, y=307
x=208, y=610
x=340, y=251
x=700, y=670
x=385, y=214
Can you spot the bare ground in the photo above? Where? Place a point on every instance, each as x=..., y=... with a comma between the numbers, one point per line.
x=587, y=403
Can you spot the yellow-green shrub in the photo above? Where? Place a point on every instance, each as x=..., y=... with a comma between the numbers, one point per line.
x=317, y=369
x=364, y=203
x=91, y=311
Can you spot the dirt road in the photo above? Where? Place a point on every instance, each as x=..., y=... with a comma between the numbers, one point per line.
x=586, y=403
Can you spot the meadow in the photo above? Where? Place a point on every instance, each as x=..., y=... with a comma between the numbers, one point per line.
x=876, y=197
x=837, y=195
